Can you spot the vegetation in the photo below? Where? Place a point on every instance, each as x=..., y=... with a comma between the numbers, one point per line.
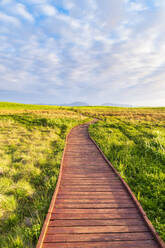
x=32, y=139
x=134, y=142
x=31, y=150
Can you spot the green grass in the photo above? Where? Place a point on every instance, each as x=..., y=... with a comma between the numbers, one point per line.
x=32, y=139
x=20, y=106
x=30, y=156
x=137, y=150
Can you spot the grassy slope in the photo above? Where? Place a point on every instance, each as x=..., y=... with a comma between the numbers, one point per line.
x=27, y=107
x=31, y=149
x=134, y=141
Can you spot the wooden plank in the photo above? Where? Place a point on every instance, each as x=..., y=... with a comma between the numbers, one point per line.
x=112, y=222
x=97, y=229
x=111, y=244
x=86, y=172
x=90, y=181
x=94, y=205
x=101, y=187
x=97, y=193
x=95, y=211
x=105, y=178
x=98, y=216
x=87, y=169
x=82, y=179
x=78, y=166
x=98, y=237
x=83, y=182
x=88, y=175
x=73, y=164
x=92, y=187
x=93, y=164
x=86, y=159
x=115, y=201
x=93, y=169
x=73, y=184
x=77, y=191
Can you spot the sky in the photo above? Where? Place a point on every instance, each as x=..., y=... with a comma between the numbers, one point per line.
x=95, y=51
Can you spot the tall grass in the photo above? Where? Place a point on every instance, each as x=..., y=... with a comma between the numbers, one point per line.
x=137, y=151
x=30, y=156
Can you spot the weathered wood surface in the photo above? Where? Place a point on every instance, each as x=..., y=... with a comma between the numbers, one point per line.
x=91, y=206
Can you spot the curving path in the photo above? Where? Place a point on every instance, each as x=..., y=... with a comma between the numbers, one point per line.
x=92, y=206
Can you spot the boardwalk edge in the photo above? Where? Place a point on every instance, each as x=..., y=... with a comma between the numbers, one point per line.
x=48, y=216
x=139, y=207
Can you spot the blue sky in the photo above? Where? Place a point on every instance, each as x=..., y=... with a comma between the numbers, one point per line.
x=61, y=51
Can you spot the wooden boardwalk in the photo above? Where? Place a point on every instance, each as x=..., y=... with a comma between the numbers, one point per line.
x=92, y=206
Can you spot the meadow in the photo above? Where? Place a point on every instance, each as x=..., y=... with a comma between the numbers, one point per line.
x=32, y=140
x=134, y=141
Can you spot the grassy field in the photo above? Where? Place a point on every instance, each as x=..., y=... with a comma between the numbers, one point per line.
x=32, y=139
x=134, y=142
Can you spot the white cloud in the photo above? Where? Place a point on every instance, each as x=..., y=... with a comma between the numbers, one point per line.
x=99, y=51
x=9, y=19
x=137, y=6
x=38, y=1
x=110, y=12
x=48, y=9
x=21, y=10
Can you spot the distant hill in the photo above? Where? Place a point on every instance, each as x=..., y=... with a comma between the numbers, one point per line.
x=79, y=104
x=117, y=105
x=66, y=104
x=75, y=104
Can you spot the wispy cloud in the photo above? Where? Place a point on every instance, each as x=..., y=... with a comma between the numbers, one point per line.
x=48, y=9
x=90, y=50
x=21, y=10
x=8, y=20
